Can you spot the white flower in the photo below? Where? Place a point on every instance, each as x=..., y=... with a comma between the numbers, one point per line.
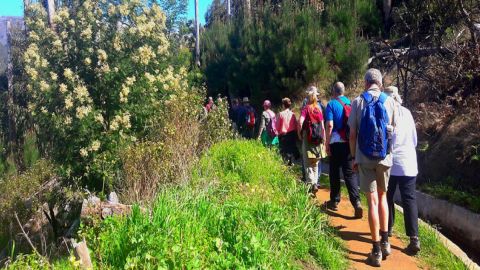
x=83, y=111
x=81, y=92
x=95, y=146
x=68, y=73
x=54, y=76
x=44, y=86
x=99, y=118
x=68, y=120
x=86, y=33
x=62, y=88
x=87, y=61
x=83, y=152
x=130, y=81
x=102, y=55
x=150, y=77
x=68, y=102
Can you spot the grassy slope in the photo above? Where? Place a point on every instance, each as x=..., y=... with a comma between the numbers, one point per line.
x=243, y=209
x=434, y=255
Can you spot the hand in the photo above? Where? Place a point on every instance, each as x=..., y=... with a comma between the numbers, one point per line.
x=355, y=167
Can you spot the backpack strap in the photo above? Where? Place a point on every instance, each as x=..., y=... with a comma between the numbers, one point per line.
x=341, y=102
x=382, y=98
x=367, y=97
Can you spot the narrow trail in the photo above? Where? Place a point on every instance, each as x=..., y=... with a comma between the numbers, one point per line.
x=356, y=234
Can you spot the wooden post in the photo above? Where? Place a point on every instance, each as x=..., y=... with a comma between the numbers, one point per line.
x=197, y=35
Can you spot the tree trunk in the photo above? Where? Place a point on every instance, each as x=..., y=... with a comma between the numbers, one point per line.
x=387, y=23
x=197, y=35
x=12, y=129
x=247, y=9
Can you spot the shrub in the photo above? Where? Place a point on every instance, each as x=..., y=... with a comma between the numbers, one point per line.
x=98, y=80
x=243, y=209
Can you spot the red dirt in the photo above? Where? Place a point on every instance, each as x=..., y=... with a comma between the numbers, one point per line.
x=356, y=234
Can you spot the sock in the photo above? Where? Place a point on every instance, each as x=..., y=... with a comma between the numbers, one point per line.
x=376, y=247
x=384, y=236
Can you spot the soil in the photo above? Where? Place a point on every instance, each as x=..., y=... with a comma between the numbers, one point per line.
x=356, y=234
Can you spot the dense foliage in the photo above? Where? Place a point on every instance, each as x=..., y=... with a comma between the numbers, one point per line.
x=243, y=209
x=279, y=50
x=100, y=79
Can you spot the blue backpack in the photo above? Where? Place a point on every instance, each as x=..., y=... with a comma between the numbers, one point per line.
x=373, y=138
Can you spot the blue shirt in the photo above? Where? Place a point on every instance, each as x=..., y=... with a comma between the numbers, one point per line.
x=334, y=112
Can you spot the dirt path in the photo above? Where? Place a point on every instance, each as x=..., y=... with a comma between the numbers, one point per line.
x=356, y=234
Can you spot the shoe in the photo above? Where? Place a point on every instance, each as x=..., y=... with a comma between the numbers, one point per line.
x=414, y=247
x=374, y=258
x=390, y=233
x=331, y=205
x=358, y=211
x=386, y=249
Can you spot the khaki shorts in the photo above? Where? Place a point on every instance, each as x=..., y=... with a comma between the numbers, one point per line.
x=373, y=177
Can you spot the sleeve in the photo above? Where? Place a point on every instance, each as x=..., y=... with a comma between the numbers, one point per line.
x=329, y=112
x=352, y=119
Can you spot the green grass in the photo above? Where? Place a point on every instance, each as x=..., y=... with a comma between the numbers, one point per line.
x=243, y=210
x=433, y=254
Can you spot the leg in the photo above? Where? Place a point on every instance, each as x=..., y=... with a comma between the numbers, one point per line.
x=334, y=175
x=392, y=186
x=352, y=185
x=373, y=215
x=409, y=201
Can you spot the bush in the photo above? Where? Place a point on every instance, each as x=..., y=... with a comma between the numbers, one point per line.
x=243, y=209
x=169, y=156
x=98, y=82
x=22, y=194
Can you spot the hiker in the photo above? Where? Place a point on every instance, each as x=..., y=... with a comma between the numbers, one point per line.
x=320, y=106
x=336, y=116
x=209, y=106
x=233, y=113
x=287, y=133
x=311, y=132
x=404, y=171
x=247, y=119
x=370, y=129
x=267, y=132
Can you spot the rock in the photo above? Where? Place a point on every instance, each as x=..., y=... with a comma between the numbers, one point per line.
x=92, y=199
x=81, y=252
x=106, y=212
x=113, y=198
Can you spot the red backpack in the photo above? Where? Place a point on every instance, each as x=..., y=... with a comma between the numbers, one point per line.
x=344, y=132
x=250, y=118
x=313, y=125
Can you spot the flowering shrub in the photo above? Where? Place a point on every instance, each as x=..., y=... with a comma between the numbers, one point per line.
x=99, y=79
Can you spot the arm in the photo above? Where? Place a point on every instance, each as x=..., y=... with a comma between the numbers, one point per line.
x=262, y=125
x=328, y=136
x=323, y=132
x=299, y=129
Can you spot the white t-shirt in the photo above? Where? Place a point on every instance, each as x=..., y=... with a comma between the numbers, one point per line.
x=404, y=143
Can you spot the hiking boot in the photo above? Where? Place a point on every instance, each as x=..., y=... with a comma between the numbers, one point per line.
x=358, y=211
x=374, y=258
x=331, y=205
x=414, y=247
x=386, y=249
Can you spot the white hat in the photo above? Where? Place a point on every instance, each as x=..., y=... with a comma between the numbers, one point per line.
x=245, y=100
x=392, y=91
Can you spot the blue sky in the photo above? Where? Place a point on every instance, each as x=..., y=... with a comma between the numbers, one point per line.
x=15, y=8
x=202, y=9
x=11, y=7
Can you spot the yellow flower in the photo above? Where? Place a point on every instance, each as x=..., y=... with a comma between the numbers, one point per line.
x=68, y=73
x=99, y=118
x=32, y=73
x=83, y=152
x=44, y=86
x=87, y=33
x=62, y=88
x=83, y=111
x=130, y=81
x=81, y=92
x=87, y=61
x=102, y=55
x=33, y=36
x=150, y=77
x=68, y=102
x=117, y=44
x=43, y=110
x=57, y=44
x=68, y=120
x=54, y=76
x=95, y=146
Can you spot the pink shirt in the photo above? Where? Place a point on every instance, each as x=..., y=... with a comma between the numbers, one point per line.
x=287, y=122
